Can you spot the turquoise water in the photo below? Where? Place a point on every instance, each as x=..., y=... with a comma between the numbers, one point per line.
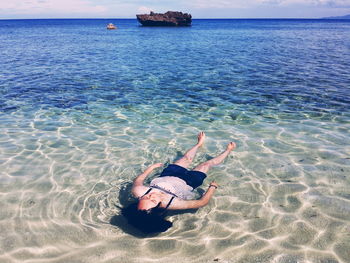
x=83, y=110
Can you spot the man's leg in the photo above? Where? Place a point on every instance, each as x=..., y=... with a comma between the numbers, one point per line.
x=204, y=167
x=187, y=159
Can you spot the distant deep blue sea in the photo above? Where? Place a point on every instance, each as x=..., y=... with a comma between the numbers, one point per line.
x=84, y=109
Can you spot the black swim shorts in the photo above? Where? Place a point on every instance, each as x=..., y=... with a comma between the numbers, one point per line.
x=192, y=178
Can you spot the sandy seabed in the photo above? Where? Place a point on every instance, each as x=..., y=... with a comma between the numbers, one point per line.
x=283, y=197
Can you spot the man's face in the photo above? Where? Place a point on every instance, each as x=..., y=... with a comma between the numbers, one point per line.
x=148, y=201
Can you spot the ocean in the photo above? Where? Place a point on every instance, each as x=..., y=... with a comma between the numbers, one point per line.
x=84, y=110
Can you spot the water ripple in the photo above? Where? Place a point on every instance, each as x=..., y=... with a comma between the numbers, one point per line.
x=83, y=111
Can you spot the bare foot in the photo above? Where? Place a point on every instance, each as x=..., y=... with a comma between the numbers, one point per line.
x=201, y=138
x=231, y=146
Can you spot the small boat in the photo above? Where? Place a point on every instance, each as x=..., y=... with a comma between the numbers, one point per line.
x=111, y=26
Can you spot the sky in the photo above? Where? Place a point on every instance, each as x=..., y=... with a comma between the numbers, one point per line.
x=17, y=9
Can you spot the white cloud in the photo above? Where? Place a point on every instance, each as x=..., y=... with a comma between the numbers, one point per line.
x=222, y=3
x=330, y=3
x=144, y=10
x=198, y=8
x=51, y=7
x=257, y=3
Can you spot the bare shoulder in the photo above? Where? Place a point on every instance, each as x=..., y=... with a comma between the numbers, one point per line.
x=139, y=190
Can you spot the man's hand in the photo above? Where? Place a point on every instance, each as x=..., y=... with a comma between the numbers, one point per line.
x=213, y=183
x=194, y=204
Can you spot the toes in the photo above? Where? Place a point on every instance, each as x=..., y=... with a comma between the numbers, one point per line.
x=231, y=146
x=201, y=137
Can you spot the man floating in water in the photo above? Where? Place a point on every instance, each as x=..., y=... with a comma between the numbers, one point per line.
x=172, y=190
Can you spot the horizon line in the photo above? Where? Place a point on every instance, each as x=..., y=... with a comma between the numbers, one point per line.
x=260, y=18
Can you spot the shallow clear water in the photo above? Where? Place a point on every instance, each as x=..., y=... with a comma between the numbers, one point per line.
x=83, y=110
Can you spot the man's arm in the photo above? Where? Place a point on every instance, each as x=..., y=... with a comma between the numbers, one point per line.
x=138, y=181
x=192, y=204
